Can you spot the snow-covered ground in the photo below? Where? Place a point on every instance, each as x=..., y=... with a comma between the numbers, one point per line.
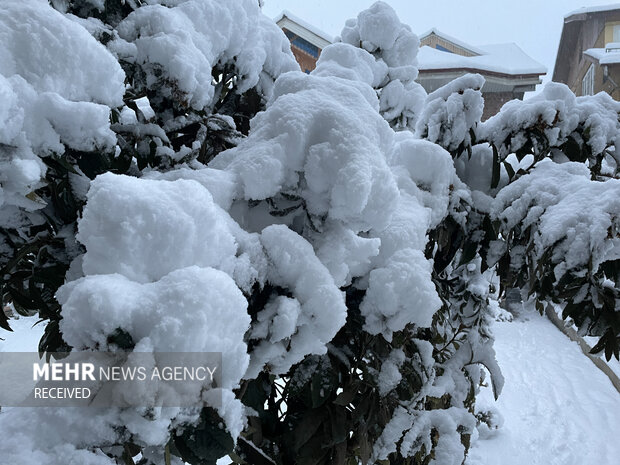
x=558, y=408
x=24, y=338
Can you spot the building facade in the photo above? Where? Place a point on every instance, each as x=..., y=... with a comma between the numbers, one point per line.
x=588, y=59
x=306, y=40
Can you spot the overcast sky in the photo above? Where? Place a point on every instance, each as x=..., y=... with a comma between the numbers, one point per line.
x=533, y=25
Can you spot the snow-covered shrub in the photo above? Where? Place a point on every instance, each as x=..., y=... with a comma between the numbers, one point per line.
x=394, y=47
x=341, y=267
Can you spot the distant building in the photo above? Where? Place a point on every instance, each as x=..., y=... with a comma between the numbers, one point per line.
x=507, y=70
x=588, y=59
x=306, y=40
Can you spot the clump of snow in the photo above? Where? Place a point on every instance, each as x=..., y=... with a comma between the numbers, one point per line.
x=56, y=55
x=557, y=112
x=573, y=215
x=162, y=229
x=305, y=323
x=400, y=293
x=332, y=154
x=56, y=84
x=394, y=47
x=452, y=111
x=182, y=40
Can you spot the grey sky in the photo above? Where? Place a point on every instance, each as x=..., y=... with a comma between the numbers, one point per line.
x=533, y=25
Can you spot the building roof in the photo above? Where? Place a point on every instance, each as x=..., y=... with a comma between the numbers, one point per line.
x=506, y=59
x=593, y=9
x=604, y=56
x=455, y=41
x=303, y=29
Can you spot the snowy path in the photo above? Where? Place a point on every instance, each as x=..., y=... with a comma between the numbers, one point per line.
x=558, y=408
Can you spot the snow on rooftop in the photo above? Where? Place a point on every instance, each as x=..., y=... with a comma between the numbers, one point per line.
x=603, y=57
x=593, y=9
x=499, y=58
x=454, y=40
x=296, y=19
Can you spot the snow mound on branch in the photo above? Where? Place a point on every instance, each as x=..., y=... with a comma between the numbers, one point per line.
x=557, y=112
x=188, y=310
x=308, y=320
x=56, y=83
x=182, y=39
x=350, y=63
x=56, y=55
x=425, y=171
x=150, y=271
x=400, y=290
x=378, y=31
x=345, y=254
x=332, y=154
x=577, y=217
x=399, y=294
x=162, y=228
x=451, y=112
x=220, y=184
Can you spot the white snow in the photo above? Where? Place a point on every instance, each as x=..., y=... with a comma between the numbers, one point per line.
x=56, y=84
x=604, y=56
x=594, y=9
x=141, y=239
x=498, y=58
x=452, y=111
x=311, y=318
x=184, y=42
x=559, y=112
x=557, y=407
x=571, y=214
x=394, y=47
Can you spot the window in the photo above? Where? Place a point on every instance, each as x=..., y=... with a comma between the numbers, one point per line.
x=587, y=84
x=616, y=33
x=443, y=49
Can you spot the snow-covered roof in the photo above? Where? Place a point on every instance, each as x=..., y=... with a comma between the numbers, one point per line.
x=300, y=22
x=498, y=58
x=454, y=40
x=603, y=57
x=594, y=9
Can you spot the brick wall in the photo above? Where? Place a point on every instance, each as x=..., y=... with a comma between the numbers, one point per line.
x=306, y=62
x=493, y=101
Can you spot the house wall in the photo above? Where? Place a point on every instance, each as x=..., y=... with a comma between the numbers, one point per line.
x=306, y=62
x=493, y=101
x=597, y=31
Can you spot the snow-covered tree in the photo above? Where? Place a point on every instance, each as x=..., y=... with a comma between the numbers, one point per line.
x=171, y=182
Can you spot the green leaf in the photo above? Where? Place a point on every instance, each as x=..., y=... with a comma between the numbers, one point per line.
x=4, y=321
x=469, y=252
x=496, y=171
x=510, y=170
x=205, y=443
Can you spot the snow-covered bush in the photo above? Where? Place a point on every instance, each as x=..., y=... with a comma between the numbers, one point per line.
x=394, y=48
x=187, y=188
